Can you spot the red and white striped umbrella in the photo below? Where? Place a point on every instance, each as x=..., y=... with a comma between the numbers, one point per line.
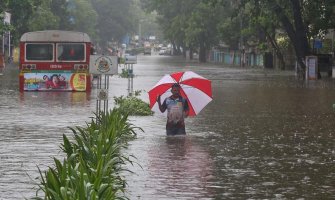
x=195, y=88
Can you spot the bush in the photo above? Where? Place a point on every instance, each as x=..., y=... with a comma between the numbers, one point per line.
x=133, y=105
x=124, y=73
x=94, y=162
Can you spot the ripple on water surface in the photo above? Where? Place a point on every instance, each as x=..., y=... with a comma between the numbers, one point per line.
x=265, y=135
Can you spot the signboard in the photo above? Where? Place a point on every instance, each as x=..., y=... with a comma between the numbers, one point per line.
x=317, y=44
x=102, y=94
x=100, y=64
x=311, y=67
x=64, y=81
x=130, y=59
x=7, y=18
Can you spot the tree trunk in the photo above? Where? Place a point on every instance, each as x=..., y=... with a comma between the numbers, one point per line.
x=296, y=33
x=202, y=52
x=277, y=50
x=300, y=28
x=191, y=54
x=174, y=48
x=184, y=51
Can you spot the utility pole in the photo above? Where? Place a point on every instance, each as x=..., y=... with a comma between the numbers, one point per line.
x=241, y=46
x=333, y=30
x=7, y=21
x=129, y=62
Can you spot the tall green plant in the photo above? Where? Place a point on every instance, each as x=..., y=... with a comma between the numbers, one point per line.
x=94, y=161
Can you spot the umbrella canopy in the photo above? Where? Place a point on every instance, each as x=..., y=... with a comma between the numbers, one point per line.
x=195, y=88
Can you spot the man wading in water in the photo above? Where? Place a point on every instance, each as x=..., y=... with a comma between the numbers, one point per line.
x=177, y=110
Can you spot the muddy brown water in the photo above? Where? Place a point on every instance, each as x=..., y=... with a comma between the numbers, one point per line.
x=266, y=135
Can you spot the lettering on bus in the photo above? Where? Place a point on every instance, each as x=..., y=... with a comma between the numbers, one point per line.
x=56, y=66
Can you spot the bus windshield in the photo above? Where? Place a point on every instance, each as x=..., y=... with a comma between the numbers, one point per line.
x=70, y=51
x=39, y=52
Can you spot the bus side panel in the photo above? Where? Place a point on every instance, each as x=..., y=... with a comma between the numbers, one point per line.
x=22, y=53
x=21, y=82
x=21, y=60
x=88, y=76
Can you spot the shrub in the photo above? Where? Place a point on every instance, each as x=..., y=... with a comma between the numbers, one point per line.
x=132, y=105
x=94, y=162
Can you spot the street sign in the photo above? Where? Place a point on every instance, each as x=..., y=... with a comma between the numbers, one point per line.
x=101, y=64
x=317, y=44
x=311, y=67
x=102, y=94
x=7, y=18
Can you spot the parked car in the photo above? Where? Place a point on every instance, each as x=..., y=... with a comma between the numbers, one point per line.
x=162, y=51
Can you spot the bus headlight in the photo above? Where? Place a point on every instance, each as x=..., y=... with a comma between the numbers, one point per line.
x=29, y=66
x=80, y=66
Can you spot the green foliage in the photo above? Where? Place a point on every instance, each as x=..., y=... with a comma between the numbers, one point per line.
x=21, y=12
x=115, y=18
x=189, y=24
x=202, y=25
x=60, y=9
x=84, y=17
x=43, y=18
x=283, y=42
x=94, y=163
x=103, y=20
x=132, y=105
x=137, y=93
x=124, y=73
x=326, y=46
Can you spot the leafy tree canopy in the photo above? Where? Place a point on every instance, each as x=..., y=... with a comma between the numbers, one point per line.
x=103, y=20
x=300, y=20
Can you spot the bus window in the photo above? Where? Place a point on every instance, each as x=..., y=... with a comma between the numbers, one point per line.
x=70, y=52
x=41, y=52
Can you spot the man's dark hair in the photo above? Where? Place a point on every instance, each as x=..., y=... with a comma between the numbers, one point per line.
x=175, y=85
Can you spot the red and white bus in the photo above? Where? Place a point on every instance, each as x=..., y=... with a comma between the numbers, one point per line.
x=55, y=60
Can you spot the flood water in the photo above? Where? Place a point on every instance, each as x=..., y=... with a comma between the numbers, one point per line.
x=265, y=135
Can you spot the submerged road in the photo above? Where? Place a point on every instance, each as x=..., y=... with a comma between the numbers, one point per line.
x=265, y=135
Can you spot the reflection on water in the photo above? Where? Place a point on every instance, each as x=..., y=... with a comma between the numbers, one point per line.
x=181, y=167
x=47, y=98
x=31, y=128
x=175, y=167
x=265, y=135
